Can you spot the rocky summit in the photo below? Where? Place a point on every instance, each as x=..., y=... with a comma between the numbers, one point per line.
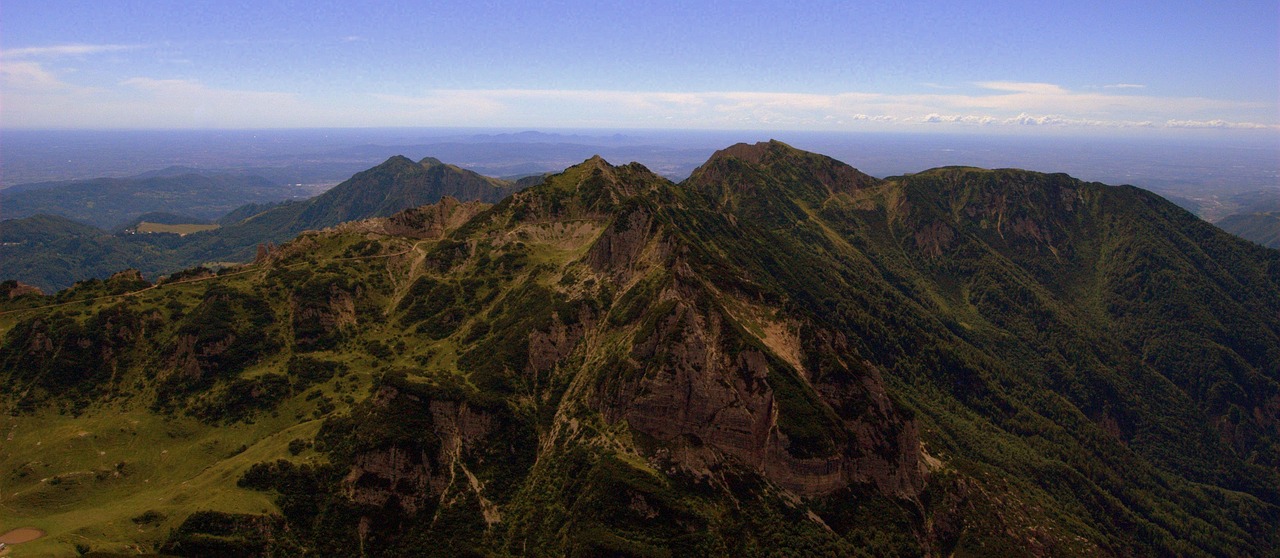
x=780, y=355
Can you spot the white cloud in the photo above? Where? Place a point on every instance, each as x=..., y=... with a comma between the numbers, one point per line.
x=1214, y=124
x=63, y=50
x=1008, y=104
x=1024, y=87
x=935, y=118
x=159, y=103
x=24, y=69
x=37, y=97
x=27, y=76
x=39, y=90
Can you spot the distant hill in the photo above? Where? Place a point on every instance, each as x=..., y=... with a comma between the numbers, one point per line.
x=395, y=185
x=1254, y=215
x=779, y=356
x=110, y=202
x=83, y=252
x=1257, y=201
x=249, y=210
x=1263, y=228
x=52, y=252
x=1213, y=207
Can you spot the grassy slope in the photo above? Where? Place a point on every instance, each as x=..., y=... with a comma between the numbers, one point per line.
x=60, y=466
x=181, y=229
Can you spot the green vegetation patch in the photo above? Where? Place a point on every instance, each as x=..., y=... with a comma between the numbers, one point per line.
x=226, y=332
x=179, y=229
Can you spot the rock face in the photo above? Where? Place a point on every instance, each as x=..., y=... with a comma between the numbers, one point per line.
x=128, y=276
x=619, y=249
x=422, y=452
x=702, y=386
x=416, y=474
x=320, y=320
x=15, y=289
x=394, y=472
x=422, y=222
x=189, y=358
x=709, y=406
x=696, y=381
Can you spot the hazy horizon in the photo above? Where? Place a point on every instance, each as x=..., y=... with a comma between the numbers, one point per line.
x=1182, y=100
x=997, y=67
x=1184, y=167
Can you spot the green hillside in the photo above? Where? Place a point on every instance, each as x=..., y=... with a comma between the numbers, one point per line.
x=779, y=356
x=53, y=252
x=1263, y=228
x=106, y=203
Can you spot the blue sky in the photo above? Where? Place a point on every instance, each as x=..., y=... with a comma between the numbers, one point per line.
x=992, y=67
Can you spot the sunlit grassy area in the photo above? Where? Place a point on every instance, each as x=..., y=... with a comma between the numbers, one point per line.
x=184, y=229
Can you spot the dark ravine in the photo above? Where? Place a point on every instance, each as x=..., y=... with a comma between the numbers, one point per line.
x=779, y=355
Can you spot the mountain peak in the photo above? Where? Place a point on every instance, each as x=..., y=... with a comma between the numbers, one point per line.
x=774, y=168
x=395, y=160
x=592, y=187
x=754, y=153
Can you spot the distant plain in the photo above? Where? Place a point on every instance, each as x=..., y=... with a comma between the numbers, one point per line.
x=1198, y=166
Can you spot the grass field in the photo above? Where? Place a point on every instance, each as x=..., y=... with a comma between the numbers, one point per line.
x=185, y=229
x=107, y=477
x=119, y=476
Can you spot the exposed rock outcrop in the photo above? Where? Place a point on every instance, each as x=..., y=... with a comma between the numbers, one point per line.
x=422, y=222
x=707, y=396
x=419, y=469
x=16, y=289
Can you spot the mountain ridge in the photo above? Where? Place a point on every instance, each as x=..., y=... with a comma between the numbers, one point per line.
x=779, y=353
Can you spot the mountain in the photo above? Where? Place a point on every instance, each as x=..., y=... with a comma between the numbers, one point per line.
x=248, y=210
x=397, y=184
x=1252, y=215
x=1263, y=228
x=52, y=252
x=779, y=355
x=107, y=203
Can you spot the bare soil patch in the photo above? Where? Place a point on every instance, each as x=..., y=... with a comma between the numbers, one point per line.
x=21, y=535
